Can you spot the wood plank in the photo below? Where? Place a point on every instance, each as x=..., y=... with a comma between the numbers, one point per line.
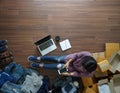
x=88, y=24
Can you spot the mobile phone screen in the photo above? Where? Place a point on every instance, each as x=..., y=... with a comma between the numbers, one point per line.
x=62, y=70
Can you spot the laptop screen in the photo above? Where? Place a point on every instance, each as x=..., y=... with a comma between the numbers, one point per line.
x=45, y=44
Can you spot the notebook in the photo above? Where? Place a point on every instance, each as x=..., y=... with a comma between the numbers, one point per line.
x=65, y=44
x=45, y=45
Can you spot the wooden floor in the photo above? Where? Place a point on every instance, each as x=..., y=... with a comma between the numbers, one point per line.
x=88, y=24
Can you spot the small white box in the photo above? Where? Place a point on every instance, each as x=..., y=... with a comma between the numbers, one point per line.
x=65, y=45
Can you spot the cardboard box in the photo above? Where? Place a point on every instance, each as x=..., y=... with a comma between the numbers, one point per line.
x=95, y=56
x=116, y=83
x=111, y=86
x=111, y=48
x=100, y=56
x=87, y=81
x=104, y=65
x=108, y=88
x=89, y=90
x=100, y=74
x=95, y=87
x=103, y=81
x=115, y=62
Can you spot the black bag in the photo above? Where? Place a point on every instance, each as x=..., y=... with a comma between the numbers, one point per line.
x=62, y=81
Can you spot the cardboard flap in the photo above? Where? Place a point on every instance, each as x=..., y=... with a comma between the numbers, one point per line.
x=115, y=62
x=103, y=81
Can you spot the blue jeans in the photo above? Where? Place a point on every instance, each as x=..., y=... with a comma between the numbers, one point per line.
x=6, y=77
x=9, y=87
x=15, y=70
x=27, y=71
x=59, y=62
x=3, y=42
x=45, y=86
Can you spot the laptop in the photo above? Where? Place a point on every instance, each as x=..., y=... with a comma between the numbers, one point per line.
x=45, y=45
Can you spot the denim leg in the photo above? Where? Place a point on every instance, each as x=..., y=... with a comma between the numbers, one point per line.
x=53, y=66
x=57, y=59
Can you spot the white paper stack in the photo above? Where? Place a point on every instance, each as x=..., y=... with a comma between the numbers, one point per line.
x=65, y=45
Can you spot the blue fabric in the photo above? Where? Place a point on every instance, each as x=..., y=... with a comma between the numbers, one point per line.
x=53, y=66
x=32, y=58
x=14, y=70
x=35, y=65
x=3, y=42
x=59, y=62
x=57, y=59
x=27, y=71
x=5, y=77
x=45, y=86
x=48, y=66
x=9, y=87
x=3, y=48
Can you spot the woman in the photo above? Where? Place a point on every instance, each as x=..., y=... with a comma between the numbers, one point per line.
x=80, y=64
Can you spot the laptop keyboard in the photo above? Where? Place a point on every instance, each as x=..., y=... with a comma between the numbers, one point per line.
x=46, y=45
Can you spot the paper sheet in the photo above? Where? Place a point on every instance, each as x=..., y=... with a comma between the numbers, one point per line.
x=65, y=45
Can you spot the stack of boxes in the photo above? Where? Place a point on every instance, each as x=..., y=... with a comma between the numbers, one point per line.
x=6, y=56
x=107, y=75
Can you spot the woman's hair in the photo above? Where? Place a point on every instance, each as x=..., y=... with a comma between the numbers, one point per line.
x=89, y=63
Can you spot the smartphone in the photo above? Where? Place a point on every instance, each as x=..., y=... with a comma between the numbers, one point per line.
x=62, y=70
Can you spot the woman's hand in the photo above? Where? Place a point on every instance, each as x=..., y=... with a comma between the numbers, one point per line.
x=68, y=63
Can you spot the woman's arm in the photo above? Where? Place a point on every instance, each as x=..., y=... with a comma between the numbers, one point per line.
x=84, y=74
x=76, y=74
x=68, y=74
x=68, y=63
